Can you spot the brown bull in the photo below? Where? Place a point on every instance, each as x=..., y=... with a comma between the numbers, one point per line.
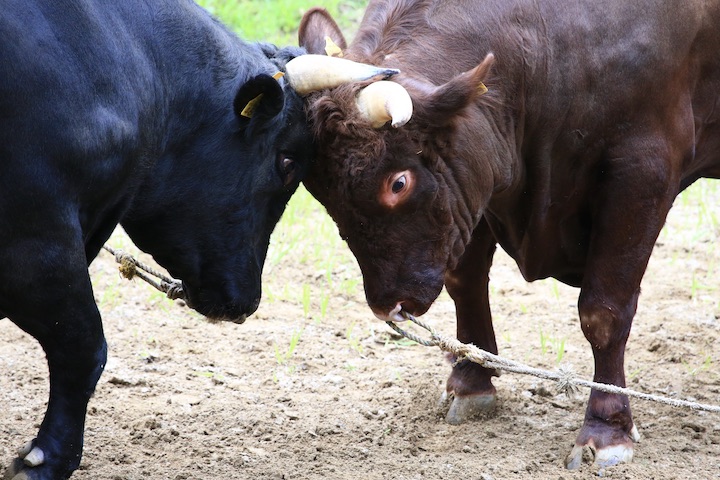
x=599, y=112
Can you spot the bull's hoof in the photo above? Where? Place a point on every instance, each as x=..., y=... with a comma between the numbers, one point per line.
x=16, y=471
x=605, y=456
x=464, y=408
x=29, y=465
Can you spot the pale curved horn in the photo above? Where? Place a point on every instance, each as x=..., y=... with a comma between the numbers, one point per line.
x=310, y=73
x=385, y=101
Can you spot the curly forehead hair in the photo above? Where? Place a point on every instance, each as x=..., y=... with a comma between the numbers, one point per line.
x=341, y=131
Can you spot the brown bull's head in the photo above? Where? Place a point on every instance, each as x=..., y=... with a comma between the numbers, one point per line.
x=384, y=170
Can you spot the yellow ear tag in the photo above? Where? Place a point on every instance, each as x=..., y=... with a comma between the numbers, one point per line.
x=331, y=49
x=482, y=89
x=250, y=107
x=252, y=104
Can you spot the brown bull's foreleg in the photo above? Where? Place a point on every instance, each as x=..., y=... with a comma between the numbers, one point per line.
x=628, y=216
x=608, y=427
x=469, y=384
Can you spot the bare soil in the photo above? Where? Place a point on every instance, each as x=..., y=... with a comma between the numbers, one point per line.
x=288, y=396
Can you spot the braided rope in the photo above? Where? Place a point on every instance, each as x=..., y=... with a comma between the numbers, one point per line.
x=565, y=378
x=131, y=268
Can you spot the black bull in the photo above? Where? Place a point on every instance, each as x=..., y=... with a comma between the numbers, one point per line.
x=130, y=112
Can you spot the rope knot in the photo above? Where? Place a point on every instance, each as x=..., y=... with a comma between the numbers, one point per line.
x=566, y=381
x=174, y=290
x=127, y=267
x=130, y=268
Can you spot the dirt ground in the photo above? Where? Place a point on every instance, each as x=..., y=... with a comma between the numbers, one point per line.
x=287, y=396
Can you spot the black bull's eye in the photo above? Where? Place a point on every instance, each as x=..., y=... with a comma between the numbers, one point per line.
x=287, y=169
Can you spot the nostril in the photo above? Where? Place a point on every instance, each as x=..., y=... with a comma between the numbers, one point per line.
x=408, y=306
x=414, y=307
x=385, y=315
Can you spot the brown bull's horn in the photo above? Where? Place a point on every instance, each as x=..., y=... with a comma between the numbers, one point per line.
x=310, y=73
x=385, y=101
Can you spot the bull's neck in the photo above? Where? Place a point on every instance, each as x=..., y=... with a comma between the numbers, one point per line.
x=201, y=65
x=486, y=143
x=200, y=76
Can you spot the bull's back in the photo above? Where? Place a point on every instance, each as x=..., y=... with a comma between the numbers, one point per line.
x=85, y=88
x=613, y=67
x=76, y=85
x=583, y=81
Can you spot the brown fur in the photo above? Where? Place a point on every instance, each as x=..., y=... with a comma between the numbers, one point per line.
x=599, y=113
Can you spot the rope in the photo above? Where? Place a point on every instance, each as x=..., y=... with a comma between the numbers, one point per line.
x=567, y=382
x=131, y=268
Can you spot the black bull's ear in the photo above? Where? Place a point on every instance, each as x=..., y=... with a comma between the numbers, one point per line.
x=260, y=97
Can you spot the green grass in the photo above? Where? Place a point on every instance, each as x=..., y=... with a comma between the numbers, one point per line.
x=353, y=340
x=283, y=356
x=703, y=197
x=550, y=344
x=306, y=242
x=700, y=225
x=276, y=21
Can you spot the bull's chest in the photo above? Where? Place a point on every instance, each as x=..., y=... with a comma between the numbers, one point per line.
x=552, y=242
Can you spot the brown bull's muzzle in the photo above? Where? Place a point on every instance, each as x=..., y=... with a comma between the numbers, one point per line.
x=392, y=315
x=379, y=102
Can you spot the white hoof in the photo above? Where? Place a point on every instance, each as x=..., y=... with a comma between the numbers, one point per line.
x=463, y=409
x=575, y=457
x=34, y=458
x=25, y=449
x=605, y=457
x=610, y=456
x=14, y=472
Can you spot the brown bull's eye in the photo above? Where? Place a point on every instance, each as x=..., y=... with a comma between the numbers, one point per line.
x=396, y=188
x=399, y=184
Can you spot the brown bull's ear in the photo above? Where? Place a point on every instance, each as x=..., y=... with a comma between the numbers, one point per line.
x=315, y=27
x=439, y=105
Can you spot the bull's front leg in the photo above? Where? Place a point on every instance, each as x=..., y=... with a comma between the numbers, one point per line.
x=56, y=306
x=470, y=385
x=608, y=428
x=630, y=212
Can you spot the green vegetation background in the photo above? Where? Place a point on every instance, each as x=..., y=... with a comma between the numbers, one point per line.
x=276, y=21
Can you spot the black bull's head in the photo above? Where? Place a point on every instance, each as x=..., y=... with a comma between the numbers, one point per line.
x=381, y=170
x=206, y=211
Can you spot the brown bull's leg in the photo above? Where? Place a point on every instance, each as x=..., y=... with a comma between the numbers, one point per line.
x=608, y=426
x=627, y=219
x=470, y=385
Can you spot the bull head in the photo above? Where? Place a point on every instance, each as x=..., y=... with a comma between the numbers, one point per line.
x=379, y=102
